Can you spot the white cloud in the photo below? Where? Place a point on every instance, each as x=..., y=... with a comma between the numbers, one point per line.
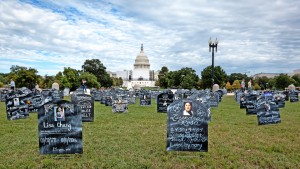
x=255, y=36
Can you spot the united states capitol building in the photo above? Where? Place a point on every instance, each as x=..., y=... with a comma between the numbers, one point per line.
x=140, y=76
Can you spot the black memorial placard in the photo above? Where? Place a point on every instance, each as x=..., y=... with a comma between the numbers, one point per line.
x=287, y=95
x=57, y=95
x=120, y=105
x=280, y=100
x=242, y=100
x=154, y=94
x=250, y=104
x=60, y=128
x=35, y=102
x=164, y=100
x=187, y=94
x=238, y=96
x=179, y=94
x=46, y=95
x=85, y=103
x=202, y=97
x=220, y=92
x=214, y=99
x=108, y=100
x=16, y=106
x=268, y=95
x=294, y=96
x=96, y=95
x=145, y=99
x=3, y=94
x=45, y=92
x=27, y=100
x=103, y=99
x=132, y=99
x=268, y=113
x=187, y=126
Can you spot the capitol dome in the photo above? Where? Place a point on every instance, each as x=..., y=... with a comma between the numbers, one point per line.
x=141, y=61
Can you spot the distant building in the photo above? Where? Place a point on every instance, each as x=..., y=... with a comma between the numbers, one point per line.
x=122, y=74
x=112, y=74
x=140, y=76
x=268, y=75
x=272, y=75
x=297, y=71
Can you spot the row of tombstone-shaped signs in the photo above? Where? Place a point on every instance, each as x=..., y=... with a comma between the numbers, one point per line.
x=265, y=104
x=60, y=121
x=21, y=102
x=187, y=119
x=119, y=100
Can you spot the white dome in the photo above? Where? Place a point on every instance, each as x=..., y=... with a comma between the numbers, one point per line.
x=141, y=61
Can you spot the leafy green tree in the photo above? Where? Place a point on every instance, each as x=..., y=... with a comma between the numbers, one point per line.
x=296, y=77
x=157, y=83
x=173, y=79
x=117, y=81
x=189, y=81
x=95, y=67
x=91, y=80
x=282, y=81
x=72, y=76
x=65, y=83
x=16, y=68
x=184, y=78
x=162, y=77
x=68, y=78
x=47, y=82
x=271, y=84
x=293, y=81
x=256, y=87
x=237, y=76
x=228, y=86
x=219, y=77
x=199, y=84
x=3, y=80
x=120, y=81
x=262, y=81
x=14, y=71
x=236, y=85
x=24, y=77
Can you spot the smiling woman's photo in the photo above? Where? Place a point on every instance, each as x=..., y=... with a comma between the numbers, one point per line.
x=187, y=109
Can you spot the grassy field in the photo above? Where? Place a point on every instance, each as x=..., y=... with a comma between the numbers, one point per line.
x=137, y=139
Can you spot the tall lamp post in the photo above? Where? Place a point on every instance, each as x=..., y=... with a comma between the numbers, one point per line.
x=212, y=45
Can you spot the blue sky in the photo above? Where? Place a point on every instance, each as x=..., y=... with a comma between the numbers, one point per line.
x=254, y=36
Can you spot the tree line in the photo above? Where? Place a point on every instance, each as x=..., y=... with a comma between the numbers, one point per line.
x=94, y=72
x=279, y=82
x=186, y=78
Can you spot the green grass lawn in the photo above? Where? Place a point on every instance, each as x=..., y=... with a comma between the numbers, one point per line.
x=137, y=139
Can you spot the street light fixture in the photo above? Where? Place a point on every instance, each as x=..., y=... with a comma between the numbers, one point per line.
x=212, y=45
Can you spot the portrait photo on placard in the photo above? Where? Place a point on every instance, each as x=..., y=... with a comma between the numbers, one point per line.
x=16, y=102
x=59, y=113
x=187, y=109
